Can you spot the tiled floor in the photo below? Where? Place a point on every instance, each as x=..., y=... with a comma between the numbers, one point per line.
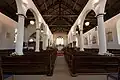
x=60, y=73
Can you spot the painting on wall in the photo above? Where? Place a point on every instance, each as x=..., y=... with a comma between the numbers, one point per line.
x=90, y=36
x=94, y=40
x=85, y=41
x=109, y=36
x=7, y=35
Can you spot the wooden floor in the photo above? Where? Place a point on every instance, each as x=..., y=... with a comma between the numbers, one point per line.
x=61, y=72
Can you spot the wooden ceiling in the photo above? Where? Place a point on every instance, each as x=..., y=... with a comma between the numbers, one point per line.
x=60, y=15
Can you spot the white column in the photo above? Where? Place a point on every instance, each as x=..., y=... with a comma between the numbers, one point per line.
x=102, y=35
x=45, y=41
x=20, y=35
x=78, y=37
x=37, y=49
x=74, y=40
x=81, y=39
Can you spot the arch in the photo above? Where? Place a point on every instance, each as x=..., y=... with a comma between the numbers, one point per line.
x=35, y=15
x=90, y=21
x=84, y=16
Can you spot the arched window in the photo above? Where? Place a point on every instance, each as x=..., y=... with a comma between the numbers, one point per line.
x=60, y=41
x=15, y=36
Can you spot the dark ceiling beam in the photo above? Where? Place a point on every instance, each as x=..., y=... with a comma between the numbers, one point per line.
x=75, y=4
x=69, y=21
x=63, y=15
x=60, y=25
x=45, y=4
x=9, y=5
x=37, y=3
x=53, y=21
x=50, y=7
x=69, y=7
x=59, y=8
x=81, y=6
x=52, y=11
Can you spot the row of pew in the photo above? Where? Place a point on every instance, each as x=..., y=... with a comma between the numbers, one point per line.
x=40, y=63
x=89, y=62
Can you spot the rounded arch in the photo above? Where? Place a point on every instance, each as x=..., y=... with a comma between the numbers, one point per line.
x=84, y=16
x=90, y=21
x=35, y=16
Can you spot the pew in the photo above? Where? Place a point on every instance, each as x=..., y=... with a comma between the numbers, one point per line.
x=89, y=62
x=31, y=62
x=1, y=73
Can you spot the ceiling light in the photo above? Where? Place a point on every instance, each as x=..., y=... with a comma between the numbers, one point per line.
x=76, y=32
x=87, y=23
x=96, y=1
x=32, y=22
x=16, y=30
x=31, y=40
x=42, y=31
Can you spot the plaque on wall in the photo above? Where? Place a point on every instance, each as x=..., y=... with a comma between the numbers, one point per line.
x=109, y=37
x=85, y=41
x=7, y=35
x=94, y=40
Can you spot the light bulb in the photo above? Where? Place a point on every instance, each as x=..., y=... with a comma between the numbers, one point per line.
x=32, y=22
x=87, y=23
x=31, y=40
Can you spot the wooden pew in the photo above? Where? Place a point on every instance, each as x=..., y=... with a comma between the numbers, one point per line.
x=1, y=73
x=91, y=63
x=31, y=63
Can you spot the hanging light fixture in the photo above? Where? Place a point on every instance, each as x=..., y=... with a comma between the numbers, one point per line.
x=31, y=40
x=32, y=22
x=87, y=23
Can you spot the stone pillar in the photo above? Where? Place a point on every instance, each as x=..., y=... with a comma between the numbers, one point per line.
x=20, y=35
x=74, y=44
x=74, y=41
x=78, y=37
x=37, y=49
x=45, y=41
x=81, y=39
x=102, y=34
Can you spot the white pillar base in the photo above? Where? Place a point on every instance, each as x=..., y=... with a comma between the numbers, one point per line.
x=82, y=49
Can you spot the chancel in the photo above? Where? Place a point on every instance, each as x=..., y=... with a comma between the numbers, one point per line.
x=60, y=40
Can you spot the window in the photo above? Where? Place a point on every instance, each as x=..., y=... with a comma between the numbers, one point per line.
x=60, y=41
x=94, y=40
x=109, y=37
x=85, y=41
x=15, y=36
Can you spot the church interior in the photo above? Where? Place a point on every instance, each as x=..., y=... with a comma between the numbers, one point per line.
x=60, y=40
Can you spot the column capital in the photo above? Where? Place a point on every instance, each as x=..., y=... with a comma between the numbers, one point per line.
x=99, y=14
x=81, y=29
x=21, y=14
x=38, y=28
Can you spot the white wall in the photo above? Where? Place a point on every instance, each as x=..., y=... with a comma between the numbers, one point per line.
x=7, y=27
x=110, y=26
